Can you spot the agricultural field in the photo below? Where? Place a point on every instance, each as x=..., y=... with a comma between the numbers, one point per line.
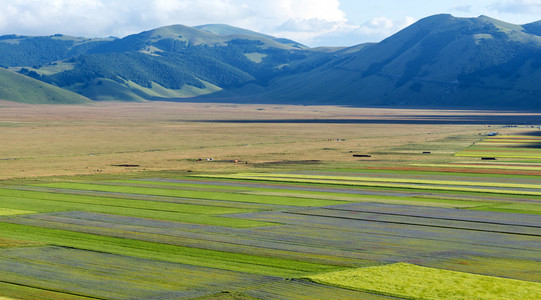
x=215, y=201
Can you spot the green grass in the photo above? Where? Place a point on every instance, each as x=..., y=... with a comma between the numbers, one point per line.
x=428, y=187
x=18, y=88
x=401, y=180
x=209, y=195
x=54, y=202
x=18, y=291
x=415, y=282
x=432, y=201
x=164, y=252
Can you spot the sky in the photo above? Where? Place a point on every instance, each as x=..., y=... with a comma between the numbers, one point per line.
x=311, y=22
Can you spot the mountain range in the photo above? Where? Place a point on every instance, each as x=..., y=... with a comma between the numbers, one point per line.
x=439, y=62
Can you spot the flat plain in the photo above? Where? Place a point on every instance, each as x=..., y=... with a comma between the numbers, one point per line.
x=226, y=201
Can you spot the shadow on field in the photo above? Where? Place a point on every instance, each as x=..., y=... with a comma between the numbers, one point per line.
x=419, y=120
x=531, y=133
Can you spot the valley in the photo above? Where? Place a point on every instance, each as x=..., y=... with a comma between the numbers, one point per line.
x=441, y=61
x=215, y=162
x=229, y=201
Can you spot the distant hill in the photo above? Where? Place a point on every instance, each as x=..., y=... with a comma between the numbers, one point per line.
x=440, y=61
x=19, y=88
x=169, y=62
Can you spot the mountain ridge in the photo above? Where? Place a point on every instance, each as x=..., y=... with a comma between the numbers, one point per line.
x=439, y=61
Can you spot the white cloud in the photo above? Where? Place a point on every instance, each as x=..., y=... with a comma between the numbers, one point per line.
x=466, y=8
x=517, y=7
x=306, y=21
x=383, y=27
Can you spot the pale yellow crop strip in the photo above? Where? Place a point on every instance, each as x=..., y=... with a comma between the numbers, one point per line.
x=417, y=282
x=401, y=180
x=481, y=167
x=10, y=212
x=377, y=184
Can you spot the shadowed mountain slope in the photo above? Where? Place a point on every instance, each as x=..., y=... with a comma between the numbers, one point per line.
x=440, y=61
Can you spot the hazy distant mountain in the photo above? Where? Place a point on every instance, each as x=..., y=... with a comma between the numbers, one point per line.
x=440, y=61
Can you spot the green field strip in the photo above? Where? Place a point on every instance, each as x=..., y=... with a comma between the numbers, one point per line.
x=20, y=291
x=408, y=200
x=301, y=289
x=195, y=186
x=27, y=199
x=163, y=252
x=231, y=243
x=404, y=200
x=113, y=195
x=127, y=203
x=493, y=266
x=415, y=282
x=275, y=177
x=89, y=273
x=223, y=196
x=401, y=180
x=478, y=197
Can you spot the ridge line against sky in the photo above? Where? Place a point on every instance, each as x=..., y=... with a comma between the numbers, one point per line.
x=311, y=22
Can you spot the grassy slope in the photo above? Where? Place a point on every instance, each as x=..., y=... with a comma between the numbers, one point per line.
x=102, y=89
x=19, y=88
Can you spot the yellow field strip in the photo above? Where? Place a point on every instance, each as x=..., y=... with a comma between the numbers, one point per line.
x=377, y=184
x=506, y=167
x=416, y=282
x=10, y=212
x=401, y=180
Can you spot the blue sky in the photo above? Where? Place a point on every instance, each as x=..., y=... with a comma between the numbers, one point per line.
x=312, y=22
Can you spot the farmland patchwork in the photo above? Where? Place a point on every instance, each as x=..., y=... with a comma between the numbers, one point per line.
x=269, y=235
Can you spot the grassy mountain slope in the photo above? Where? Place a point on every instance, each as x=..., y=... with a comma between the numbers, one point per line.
x=227, y=30
x=19, y=88
x=174, y=62
x=223, y=29
x=440, y=61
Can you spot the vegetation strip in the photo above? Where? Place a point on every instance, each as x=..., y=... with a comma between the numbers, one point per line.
x=399, y=180
x=52, y=290
x=164, y=252
x=432, y=218
x=383, y=185
x=403, y=280
x=413, y=224
x=223, y=196
x=51, y=202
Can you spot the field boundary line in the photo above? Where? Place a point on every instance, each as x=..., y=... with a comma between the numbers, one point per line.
x=427, y=217
x=52, y=290
x=414, y=224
